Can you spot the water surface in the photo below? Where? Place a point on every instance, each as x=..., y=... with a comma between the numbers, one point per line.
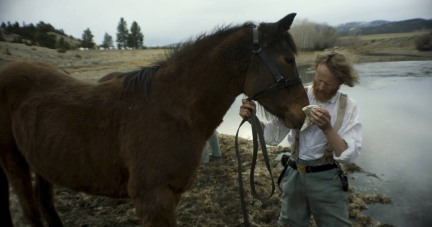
x=395, y=104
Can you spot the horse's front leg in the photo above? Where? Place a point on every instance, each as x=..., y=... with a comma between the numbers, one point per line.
x=156, y=207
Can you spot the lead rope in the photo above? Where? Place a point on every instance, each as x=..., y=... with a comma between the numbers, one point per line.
x=256, y=128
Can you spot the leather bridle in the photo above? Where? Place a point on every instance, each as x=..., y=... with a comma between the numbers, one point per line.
x=256, y=125
x=280, y=81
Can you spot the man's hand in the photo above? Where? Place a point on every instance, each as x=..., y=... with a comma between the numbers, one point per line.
x=321, y=118
x=245, y=109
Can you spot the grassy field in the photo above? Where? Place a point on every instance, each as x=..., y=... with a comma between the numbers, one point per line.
x=92, y=64
x=388, y=36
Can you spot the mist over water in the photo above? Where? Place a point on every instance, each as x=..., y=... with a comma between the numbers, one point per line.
x=395, y=105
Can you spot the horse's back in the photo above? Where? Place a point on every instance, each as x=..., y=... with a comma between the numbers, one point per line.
x=58, y=123
x=110, y=76
x=20, y=76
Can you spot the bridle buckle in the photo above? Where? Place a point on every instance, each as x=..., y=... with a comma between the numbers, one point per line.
x=258, y=49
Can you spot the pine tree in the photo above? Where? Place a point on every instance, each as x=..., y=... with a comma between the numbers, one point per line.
x=16, y=25
x=1, y=37
x=122, y=34
x=62, y=44
x=42, y=37
x=136, y=38
x=28, y=32
x=8, y=28
x=108, y=41
x=87, y=39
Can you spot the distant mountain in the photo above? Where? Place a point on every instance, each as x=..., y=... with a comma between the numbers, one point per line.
x=343, y=28
x=385, y=27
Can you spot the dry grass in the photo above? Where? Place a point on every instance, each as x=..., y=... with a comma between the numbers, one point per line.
x=389, y=36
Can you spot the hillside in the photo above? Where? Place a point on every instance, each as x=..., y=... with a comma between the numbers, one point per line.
x=69, y=39
x=378, y=42
x=93, y=64
x=346, y=27
x=385, y=27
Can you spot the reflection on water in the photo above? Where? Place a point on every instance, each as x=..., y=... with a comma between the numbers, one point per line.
x=394, y=101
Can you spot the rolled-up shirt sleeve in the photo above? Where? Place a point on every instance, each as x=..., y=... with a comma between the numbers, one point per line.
x=351, y=133
x=274, y=131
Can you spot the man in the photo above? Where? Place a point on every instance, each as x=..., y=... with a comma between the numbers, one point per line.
x=308, y=190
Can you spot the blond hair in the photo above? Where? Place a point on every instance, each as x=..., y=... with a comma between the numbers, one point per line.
x=338, y=64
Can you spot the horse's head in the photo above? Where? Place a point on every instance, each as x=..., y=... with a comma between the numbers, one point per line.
x=283, y=96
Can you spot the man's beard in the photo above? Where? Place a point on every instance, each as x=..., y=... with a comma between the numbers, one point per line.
x=323, y=96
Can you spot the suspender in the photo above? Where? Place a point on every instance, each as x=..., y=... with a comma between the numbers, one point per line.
x=328, y=153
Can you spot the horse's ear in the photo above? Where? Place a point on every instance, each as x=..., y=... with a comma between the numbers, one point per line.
x=285, y=23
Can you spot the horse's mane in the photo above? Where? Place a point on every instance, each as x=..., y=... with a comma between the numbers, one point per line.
x=140, y=80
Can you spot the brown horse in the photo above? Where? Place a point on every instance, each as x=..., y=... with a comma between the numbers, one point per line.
x=140, y=136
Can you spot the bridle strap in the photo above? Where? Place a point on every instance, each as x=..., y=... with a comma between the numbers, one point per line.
x=280, y=81
x=276, y=87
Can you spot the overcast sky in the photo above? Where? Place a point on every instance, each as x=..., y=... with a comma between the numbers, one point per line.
x=170, y=21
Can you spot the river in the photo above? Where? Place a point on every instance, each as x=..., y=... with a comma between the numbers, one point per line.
x=397, y=141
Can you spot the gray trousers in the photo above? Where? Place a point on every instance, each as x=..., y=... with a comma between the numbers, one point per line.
x=213, y=142
x=319, y=194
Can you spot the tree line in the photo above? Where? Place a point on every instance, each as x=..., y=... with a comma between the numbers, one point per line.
x=34, y=35
x=40, y=35
x=310, y=36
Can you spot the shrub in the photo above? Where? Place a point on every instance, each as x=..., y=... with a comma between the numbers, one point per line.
x=17, y=39
x=424, y=42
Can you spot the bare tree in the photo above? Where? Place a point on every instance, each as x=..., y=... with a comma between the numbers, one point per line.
x=354, y=35
x=311, y=36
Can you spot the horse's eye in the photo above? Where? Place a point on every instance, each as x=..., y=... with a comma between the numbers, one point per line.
x=289, y=61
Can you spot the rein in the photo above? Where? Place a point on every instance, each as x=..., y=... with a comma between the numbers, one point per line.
x=256, y=125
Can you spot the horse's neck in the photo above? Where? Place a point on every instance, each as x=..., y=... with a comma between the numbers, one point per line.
x=206, y=88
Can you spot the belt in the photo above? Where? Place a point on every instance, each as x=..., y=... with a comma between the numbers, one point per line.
x=310, y=169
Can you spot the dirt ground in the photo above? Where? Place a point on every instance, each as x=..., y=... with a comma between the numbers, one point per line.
x=214, y=199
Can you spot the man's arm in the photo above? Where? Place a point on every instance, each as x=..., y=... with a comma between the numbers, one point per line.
x=321, y=118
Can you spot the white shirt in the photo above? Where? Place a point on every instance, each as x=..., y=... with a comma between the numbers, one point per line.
x=312, y=141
